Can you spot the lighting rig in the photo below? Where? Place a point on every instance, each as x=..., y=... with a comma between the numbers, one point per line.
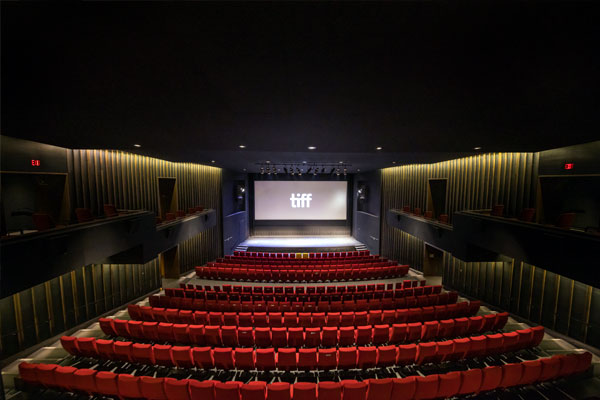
x=303, y=168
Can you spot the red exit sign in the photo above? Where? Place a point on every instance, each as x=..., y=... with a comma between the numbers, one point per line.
x=569, y=165
x=35, y=163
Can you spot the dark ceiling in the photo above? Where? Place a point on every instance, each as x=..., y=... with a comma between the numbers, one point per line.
x=193, y=81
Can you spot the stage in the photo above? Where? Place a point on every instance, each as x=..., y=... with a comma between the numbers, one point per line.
x=301, y=244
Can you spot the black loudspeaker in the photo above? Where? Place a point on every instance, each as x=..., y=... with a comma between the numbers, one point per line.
x=362, y=197
x=239, y=196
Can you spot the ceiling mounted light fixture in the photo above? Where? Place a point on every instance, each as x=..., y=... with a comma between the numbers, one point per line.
x=477, y=148
x=137, y=145
x=312, y=147
x=242, y=146
x=212, y=161
x=378, y=148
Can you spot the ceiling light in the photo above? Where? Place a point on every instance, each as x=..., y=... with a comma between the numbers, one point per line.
x=212, y=161
x=393, y=162
x=244, y=169
x=358, y=170
x=242, y=146
x=378, y=148
x=303, y=162
x=137, y=145
x=477, y=148
x=268, y=162
x=341, y=162
x=312, y=147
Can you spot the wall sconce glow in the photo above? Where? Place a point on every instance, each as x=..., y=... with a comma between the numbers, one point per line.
x=137, y=145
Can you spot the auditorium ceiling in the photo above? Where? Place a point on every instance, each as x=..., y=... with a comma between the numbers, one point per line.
x=194, y=81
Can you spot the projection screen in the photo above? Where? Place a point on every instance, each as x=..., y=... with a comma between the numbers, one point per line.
x=300, y=200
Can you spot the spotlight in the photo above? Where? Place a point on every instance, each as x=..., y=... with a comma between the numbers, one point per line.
x=262, y=171
x=299, y=172
x=315, y=172
x=137, y=145
x=312, y=147
x=345, y=171
x=268, y=171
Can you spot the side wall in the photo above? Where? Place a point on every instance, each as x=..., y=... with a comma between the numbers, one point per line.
x=366, y=221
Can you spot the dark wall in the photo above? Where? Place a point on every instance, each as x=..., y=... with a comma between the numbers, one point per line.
x=584, y=157
x=17, y=154
x=300, y=228
x=366, y=214
x=235, y=210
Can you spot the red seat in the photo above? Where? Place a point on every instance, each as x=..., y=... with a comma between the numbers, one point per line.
x=511, y=375
x=205, y=390
x=226, y=391
x=203, y=357
x=330, y=336
x=327, y=359
x=426, y=351
x=427, y=387
x=387, y=355
x=286, y=359
x=123, y=351
x=491, y=378
x=346, y=336
x=142, y=353
x=106, y=383
x=223, y=357
x=367, y=357
x=152, y=388
x=379, y=389
x=347, y=357
x=129, y=386
x=265, y=359
x=307, y=359
x=253, y=391
x=407, y=354
x=162, y=355
x=354, y=390
x=470, y=381
x=531, y=372
x=182, y=356
x=64, y=377
x=244, y=358
x=329, y=391
x=278, y=391
x=177, y=389
x=405, y=388
x=449, y=384
x=305, y=391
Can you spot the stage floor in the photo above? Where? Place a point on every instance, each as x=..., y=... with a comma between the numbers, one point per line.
x=301, y=242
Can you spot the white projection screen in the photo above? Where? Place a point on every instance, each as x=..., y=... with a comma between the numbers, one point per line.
x=300, y=200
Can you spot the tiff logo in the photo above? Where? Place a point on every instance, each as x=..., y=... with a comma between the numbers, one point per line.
x=301, y=201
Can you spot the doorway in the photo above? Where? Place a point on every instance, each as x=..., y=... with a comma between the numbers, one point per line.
x=167, y=196
x=436, y=196
x=433, y=261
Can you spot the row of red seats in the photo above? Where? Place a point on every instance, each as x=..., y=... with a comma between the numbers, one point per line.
x=302, y=267
x=303, y=306
x=336, y=254
x=264, y=275
x=256, y=296
x=332, y=289
x=299, y=264
x=229, y=335
x=433, y=386
x=307, y=319
x=299, y=261
x=288, y=359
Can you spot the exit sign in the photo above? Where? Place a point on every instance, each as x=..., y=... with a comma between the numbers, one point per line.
x=35, y=163
x=569, y=165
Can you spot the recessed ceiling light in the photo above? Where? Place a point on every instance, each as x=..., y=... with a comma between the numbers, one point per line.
x=312, y=147
x=303, y=162
x=242, y=146
x=212, y=161
x=244, y=169
x=393, y=162
x=268, y=162
x=477, y=148
x=378, y=148
x=137, y=145
x=358, y=170
x=341, y=162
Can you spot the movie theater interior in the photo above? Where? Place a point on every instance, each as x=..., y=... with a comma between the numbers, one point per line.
x=300, y=200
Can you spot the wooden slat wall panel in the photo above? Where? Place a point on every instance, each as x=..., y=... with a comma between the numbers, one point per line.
x=474, y=183
x=50, y=308
x=130, y=181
